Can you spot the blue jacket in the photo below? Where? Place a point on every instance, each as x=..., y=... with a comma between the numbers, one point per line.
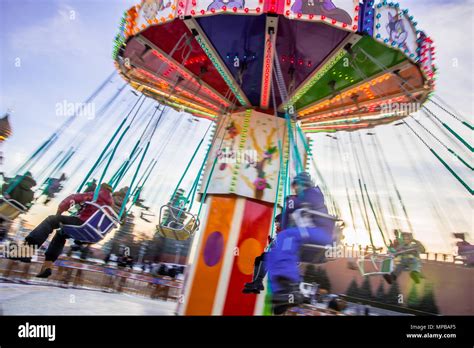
x=313, y=199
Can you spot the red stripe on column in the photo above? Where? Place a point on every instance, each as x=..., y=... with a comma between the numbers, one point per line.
x=252, y=241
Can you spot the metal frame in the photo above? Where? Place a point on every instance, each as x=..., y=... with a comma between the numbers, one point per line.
x=107, y=211
x=13, y=204
x=377, y=262
x=173, y=226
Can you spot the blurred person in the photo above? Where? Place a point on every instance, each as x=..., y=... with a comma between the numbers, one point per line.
x=283, y=258
x=259, y=266
x=407, y=252
x=41, y=233
x=22, y=189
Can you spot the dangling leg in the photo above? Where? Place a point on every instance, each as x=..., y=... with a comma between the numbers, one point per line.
x=39, y=235
x=52, y=253
x=283, y=262
x=259, y=272
x=415, y=269
x=399, y=268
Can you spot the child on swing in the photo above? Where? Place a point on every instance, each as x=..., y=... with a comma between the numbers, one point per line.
x=38, y=236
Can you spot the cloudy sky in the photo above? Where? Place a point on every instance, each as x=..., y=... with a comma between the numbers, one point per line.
x=59, y=51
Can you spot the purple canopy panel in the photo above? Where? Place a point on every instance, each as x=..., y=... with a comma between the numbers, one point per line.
x=309, y=42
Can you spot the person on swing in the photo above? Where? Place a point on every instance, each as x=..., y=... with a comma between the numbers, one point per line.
x=38, y=236
x=259, y=266
x=283, y=258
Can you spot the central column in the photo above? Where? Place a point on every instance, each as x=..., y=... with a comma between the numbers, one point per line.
x=242, y=177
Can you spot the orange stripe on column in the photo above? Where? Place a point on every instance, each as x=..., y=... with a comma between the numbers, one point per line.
x=211, y=252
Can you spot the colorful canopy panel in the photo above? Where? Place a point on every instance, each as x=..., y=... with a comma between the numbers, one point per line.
x=334, y=65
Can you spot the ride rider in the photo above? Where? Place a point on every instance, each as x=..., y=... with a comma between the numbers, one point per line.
x=40, y=234
x=284, y=256
x=407, y=251
x=259, y=266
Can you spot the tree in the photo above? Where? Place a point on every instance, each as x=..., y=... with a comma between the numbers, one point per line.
x=365, y=290
x=324, y=281
x=393, y=294
x=310, y=274
x=380, y=293
x=413, y=300
x=317, y=275
x=428, y=302
x=353, y=289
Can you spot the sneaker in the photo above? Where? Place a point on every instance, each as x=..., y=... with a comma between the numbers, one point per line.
x=253, y=288
x=44, y=273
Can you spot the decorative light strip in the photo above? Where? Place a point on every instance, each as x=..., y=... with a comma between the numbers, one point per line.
x=377, y=116
x=366, y=17
x=309, y=153
x=216, y=7
x=134, y=15
x=176, y=99
x=242, y=141
x=268, y=63
x=189, y=109
x=285, y=157
x=348, y=110
x=426, y=52
x=120, y=37
x=322, y=128
x=365, y=87
x=322, y=18
x=190, y=78
x=316, y=77
x=166, y=84
x=193, y=111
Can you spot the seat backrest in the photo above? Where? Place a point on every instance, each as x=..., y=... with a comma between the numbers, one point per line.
x=103, y=219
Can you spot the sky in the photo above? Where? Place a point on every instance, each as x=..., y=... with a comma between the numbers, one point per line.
x=54, y=52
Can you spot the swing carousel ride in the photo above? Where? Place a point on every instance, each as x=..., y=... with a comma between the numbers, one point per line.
x=266, y=74
x=270, y=72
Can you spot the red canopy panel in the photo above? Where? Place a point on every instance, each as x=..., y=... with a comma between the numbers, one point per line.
x=166, y=36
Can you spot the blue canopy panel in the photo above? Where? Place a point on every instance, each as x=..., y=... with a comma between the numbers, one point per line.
x=242, y=37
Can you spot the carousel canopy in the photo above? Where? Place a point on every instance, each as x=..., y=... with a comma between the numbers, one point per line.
x=334, y=65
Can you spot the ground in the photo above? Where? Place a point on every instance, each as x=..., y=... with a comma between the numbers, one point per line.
x=22, y=299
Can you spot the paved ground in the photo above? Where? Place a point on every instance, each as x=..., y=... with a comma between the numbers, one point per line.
x=20, y=299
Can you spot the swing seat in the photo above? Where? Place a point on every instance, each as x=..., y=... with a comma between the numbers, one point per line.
x=311, y=252
x=176, y=223
x=95, y=228
x=10, y=209
x=376, y=264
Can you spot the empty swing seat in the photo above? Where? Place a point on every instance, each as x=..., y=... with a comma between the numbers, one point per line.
x=176, y=223
x=376, y=264
x=10, y=209
x=95, y=228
